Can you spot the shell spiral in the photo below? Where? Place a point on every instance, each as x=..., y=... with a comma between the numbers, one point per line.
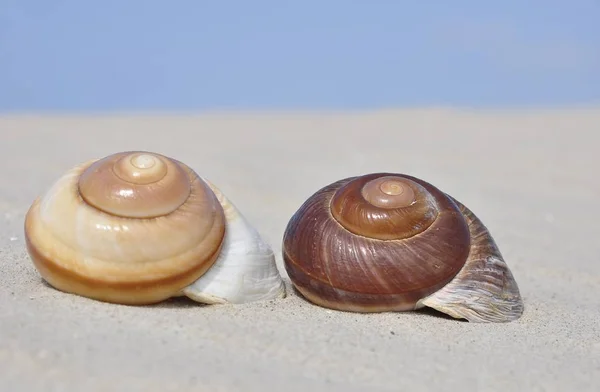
x=134, y=228
x=135, y=185
x=380, y=242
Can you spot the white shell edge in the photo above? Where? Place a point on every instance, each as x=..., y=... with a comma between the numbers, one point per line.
x=245, y=270
x=485, y=289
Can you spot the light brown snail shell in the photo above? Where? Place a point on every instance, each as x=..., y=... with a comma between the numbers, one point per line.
x=132, y=228
x=392, y=242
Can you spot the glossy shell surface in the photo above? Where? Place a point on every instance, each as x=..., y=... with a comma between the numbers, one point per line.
x=390, y=242
x=137, y=228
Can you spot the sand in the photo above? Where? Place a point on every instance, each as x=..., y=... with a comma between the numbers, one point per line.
x=531, y=176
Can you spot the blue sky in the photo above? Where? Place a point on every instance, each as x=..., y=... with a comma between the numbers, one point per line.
x=67, y=55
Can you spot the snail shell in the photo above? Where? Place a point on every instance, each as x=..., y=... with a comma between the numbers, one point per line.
x=138, y=227
x=392, y=242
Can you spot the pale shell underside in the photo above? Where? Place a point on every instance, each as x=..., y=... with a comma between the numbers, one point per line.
x=245, y=270
x=484, y=290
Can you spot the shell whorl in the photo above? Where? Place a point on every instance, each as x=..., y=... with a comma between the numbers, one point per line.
x=135, y=185
x=385, y=207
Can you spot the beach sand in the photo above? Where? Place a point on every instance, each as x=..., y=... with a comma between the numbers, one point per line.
x=531, y=176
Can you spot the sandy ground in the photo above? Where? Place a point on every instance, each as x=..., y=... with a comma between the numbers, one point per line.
x=531, y=176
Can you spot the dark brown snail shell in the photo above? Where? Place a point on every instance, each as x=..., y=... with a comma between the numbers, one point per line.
x=392, y=242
